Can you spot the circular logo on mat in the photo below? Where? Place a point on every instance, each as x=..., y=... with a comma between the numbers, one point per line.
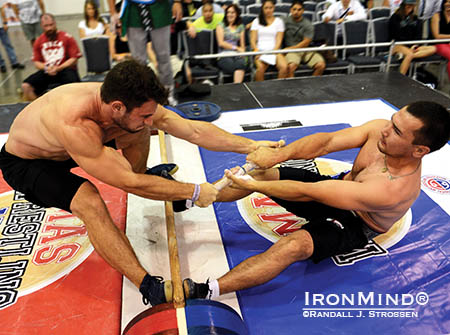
x=436, y=184
x=272, y=221
x=37, y=246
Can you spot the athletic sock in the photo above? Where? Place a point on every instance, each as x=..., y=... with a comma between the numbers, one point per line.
x=213, y=289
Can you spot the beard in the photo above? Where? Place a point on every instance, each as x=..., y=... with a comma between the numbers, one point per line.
x=51, y=34
x=123, y=124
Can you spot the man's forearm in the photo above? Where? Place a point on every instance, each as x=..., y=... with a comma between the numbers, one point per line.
x=158, y=188
x=214, y=138
x=39, y=65
x=68, y=63
x=307, y=147
x=283, y=189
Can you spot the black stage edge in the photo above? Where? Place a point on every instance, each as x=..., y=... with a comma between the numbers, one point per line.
x=393, y=87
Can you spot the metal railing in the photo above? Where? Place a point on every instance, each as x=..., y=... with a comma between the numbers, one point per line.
x=391, y=46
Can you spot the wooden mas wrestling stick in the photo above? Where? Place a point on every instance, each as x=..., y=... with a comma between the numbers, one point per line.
x=178, y=294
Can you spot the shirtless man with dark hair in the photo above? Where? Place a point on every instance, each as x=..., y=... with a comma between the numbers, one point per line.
x=342, y=213
x=73, y=126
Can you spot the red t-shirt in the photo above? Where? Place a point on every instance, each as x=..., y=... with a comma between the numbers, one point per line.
x=55, y=52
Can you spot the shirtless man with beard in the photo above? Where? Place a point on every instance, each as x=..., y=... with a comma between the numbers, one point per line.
x=82, y=125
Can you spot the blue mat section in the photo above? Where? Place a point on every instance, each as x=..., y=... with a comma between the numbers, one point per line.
x=201, y=315
x=418, y=263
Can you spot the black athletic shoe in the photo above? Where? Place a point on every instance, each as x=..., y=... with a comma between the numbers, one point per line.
x=193, y=290
x=163, y=170
x=18, y=66
x=166, y=171
x=3, y=68
x=155, y=291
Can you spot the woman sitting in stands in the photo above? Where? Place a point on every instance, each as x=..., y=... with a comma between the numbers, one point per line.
x=93, y=24
x=230, y=34
x=266, y=33
x=404, y=25
x=440, y=28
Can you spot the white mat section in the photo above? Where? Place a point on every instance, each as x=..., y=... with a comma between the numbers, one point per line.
x=200, y=247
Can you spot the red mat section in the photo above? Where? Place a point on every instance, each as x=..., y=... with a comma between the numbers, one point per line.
x=85, y=301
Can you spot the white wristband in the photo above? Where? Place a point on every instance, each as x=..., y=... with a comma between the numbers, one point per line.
x=190, y=202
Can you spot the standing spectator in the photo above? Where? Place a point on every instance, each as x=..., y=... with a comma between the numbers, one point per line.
x=93, y=24
x=299, y=33
x=404, y=25
x=440, y=28
x=142, y=16
x=55, y=55
x=7, y=45
x=230, y=34
x=29, y=12
x=266, y=33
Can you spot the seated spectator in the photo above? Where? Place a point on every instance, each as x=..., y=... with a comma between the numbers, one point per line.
x=209, y=20
x=392, y=4
x=55, y=55
x=266, y=33
x=404, y=25
x=299, y=33
x=4, y=37
x=29, y=12
x=217, y=9
x=118, y=45
x=440, y=28
x=344, y=10
x=425, y=11
x=230, y=34
x=93, y=24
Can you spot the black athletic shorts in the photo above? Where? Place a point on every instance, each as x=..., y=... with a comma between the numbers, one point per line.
x=44, y=182
x=334, y=231
x=41, y=81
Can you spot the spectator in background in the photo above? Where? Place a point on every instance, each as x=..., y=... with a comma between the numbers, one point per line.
x=209, y=20
x=189, y=8
x=392, y=4
x=138, y=18
x=344, y=10
x=404, y=25
x=427, y=8
x=266, y=33
x=217, y=9
x=299, y=33
x=7, y=45
x=118, y=45
x=93, y=24
x=440, y=28
x=230, y=34
x=55, y=55
x=29, y=13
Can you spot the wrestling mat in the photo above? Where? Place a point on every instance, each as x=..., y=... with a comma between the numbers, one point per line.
x=52, y=282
